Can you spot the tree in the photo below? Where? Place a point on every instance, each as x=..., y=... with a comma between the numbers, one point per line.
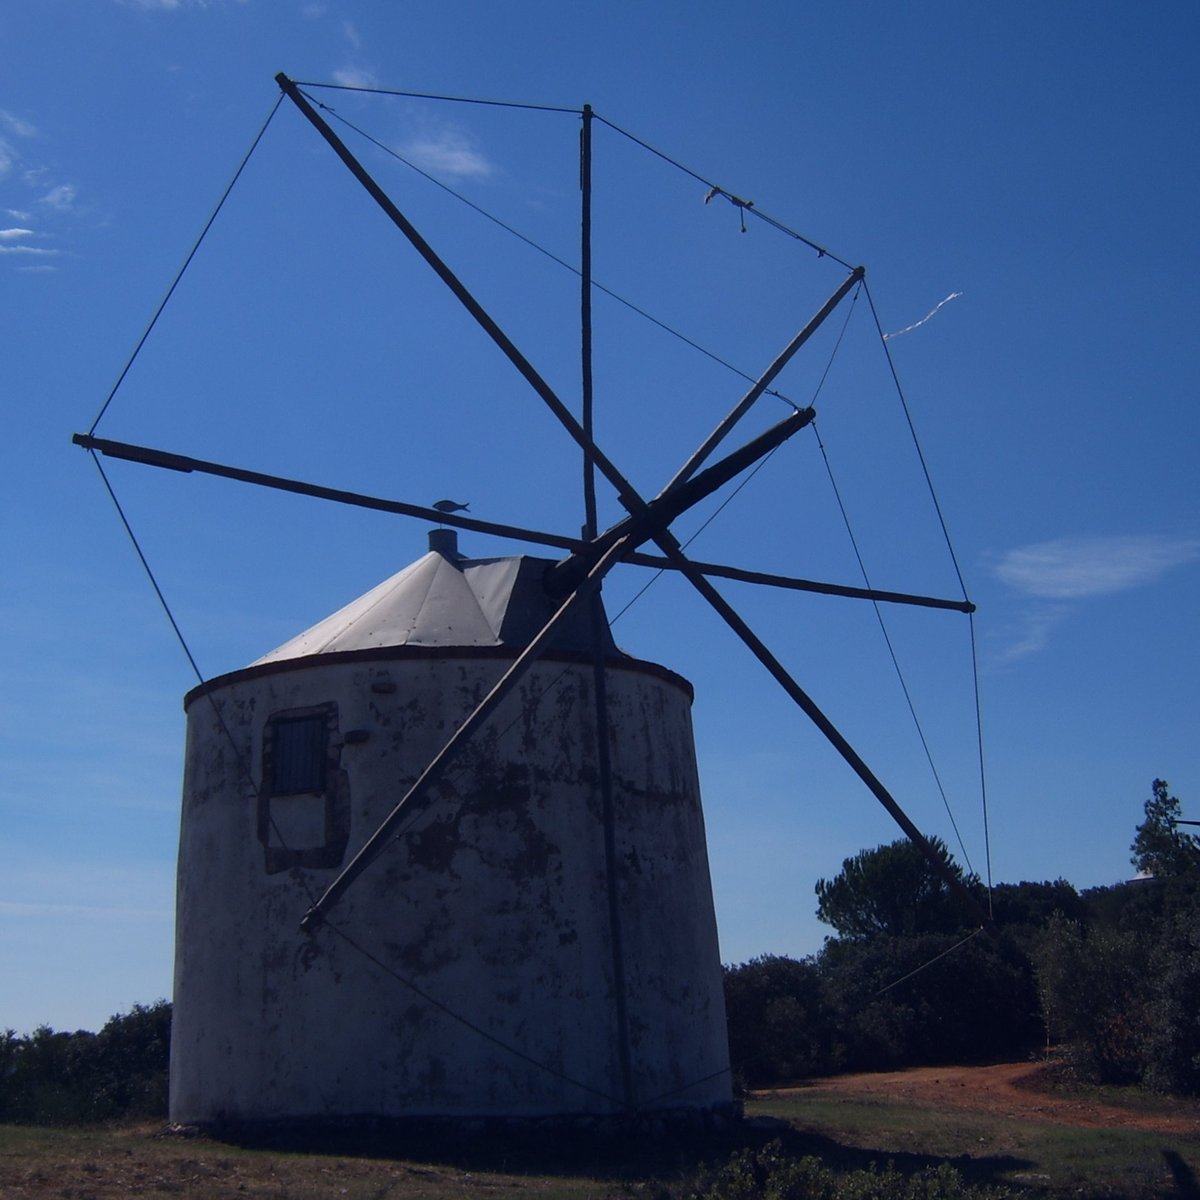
x=1096, y=992
x=892, y=890
x=779, y=1026
x=899, y=1001
x=1159, y=848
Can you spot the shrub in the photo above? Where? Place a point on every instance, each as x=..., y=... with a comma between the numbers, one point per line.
x=54, y=1078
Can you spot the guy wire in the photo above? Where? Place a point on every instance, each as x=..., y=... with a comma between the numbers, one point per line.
x=186, y=263
x=543, y=250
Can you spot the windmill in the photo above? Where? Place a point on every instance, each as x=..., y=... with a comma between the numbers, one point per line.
x=301, y=742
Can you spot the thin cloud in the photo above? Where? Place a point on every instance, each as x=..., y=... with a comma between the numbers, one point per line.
x=18, y=126
x=351, y=34
x=1029, y=635
x=52, y=198
x=1076, y=568
x=170, y=5
x=449, y=152
x=356, y=77
x=61, y=197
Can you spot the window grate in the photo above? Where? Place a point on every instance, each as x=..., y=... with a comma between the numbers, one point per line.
x=299, y=755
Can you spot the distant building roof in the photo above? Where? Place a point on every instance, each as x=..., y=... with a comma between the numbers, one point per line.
x=444, y=600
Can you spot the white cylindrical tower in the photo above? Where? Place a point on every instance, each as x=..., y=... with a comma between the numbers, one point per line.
x=470, y=970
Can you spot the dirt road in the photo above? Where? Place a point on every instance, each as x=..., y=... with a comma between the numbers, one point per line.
x=1005, y=1090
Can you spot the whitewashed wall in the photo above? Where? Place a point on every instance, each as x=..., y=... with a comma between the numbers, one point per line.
x=492, y=904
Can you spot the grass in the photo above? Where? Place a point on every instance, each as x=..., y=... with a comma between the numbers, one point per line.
x=103, y=1164
x=1045, y=1158
x=846, y=1133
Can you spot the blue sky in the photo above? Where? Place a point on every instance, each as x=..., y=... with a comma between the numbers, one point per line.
x=1036, y=162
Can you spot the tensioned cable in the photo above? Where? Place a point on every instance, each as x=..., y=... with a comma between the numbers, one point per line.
x=112, y=495
x=890, y=648
x=483, y=1033
x=745, y=206
x=925, y=966
x=348, y=87
x=987, y=842
x=243, y=768
x=186, y=263
x=762, y=462
x=554, y=258
x=714, y=189
x=883, y=341
x=912, y=429
x=862, y=566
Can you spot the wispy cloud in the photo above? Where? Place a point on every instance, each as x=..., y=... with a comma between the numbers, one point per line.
x=47, y=197
x=354, y=77
x=1028, y=634
x=13, y=124
x=61, y=197
x=448, y=152
x=350, y=33
x=1057, y=575
x=159, y=5
x=1074, y=568
x=173, y=5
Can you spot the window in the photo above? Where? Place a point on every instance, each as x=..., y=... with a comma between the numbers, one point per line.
x=304, y=800
x=298, y=756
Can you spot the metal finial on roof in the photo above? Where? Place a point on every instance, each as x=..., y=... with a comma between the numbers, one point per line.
x=451, y=506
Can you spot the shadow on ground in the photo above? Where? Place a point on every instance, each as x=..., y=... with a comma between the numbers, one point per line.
x=656, y=1158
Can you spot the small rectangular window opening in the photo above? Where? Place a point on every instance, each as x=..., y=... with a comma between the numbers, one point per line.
x=299, y=755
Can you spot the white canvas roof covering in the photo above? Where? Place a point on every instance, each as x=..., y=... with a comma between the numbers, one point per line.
x=441, y=601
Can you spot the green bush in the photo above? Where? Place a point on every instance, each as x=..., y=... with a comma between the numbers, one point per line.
x=772, y=1174
x=54, y=1078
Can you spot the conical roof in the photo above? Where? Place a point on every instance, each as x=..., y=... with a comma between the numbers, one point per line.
x=444, y=600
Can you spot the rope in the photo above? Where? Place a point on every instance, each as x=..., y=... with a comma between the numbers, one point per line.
x=537, y=246
x=186, y=263
x=468, y=1024
x=875, y=603
x=243, y=767
x=744, y=206
x=374, y=91
x=883, y=341
x=983, y=792
x=916, y=441
x=890, y=648
x=925, y=966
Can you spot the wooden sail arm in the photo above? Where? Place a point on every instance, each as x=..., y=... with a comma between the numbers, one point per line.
x=674, y=552
x=672, y=503
x=763, y=382
x=185, y=464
